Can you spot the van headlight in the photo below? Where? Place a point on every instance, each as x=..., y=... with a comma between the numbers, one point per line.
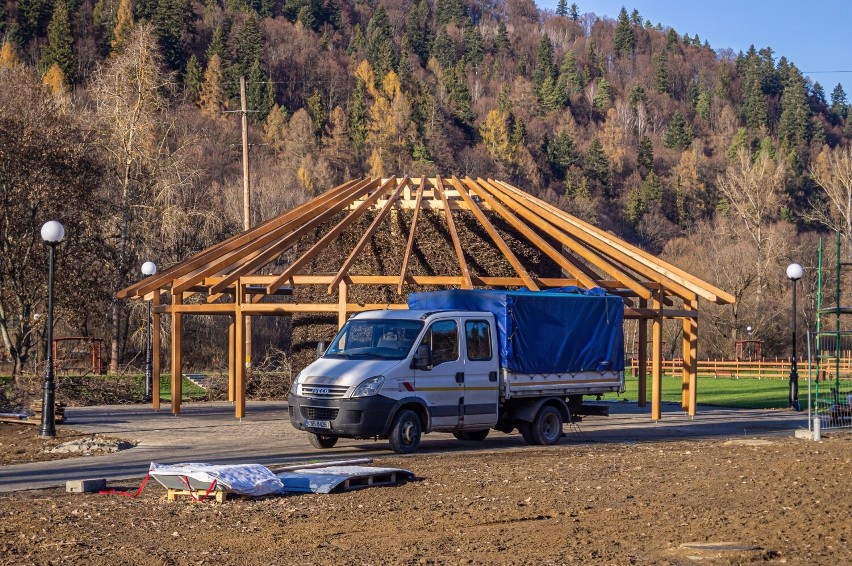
x=294, y=387
x=369, y=387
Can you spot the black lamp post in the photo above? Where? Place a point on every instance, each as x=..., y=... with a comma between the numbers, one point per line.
x=794, y=273
x=52, y=233
x=148, y=268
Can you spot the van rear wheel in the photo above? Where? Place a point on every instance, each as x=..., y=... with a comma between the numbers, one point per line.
x=472, y=435
x=321, y=440
x=405, y=432
x=546, y=428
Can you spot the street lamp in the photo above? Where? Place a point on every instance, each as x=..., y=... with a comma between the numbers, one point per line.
x=148, y=268
x=794, y=273
x=52, y=233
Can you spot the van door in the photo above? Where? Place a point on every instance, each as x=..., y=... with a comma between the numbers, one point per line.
x=442, y=387
x=480, y=375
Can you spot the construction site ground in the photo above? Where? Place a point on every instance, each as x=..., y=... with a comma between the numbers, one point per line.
x=727, y=487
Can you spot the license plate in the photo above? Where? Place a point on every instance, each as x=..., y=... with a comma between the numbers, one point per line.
x=317, y=424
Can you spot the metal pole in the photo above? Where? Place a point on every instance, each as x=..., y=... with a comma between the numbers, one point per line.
x=794, y=375
x=149, y=369
x=48, y=418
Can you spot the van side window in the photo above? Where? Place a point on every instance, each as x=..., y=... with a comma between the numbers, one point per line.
x=478, y=337
x=443, y=339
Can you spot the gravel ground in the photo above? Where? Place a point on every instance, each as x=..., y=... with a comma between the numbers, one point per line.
x=773, y=499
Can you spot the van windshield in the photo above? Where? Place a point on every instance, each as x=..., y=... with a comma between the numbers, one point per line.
x=384, y=339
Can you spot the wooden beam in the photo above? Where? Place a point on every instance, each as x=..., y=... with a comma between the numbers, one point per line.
x=333, y=308
x=167, y=276
x=342, y=300
x=643, y=357
x=155, y=352
x=690, y=359
x=240, y=348
x=667, y=270
x=575, y=246
x=451, y=227
x=329, y=237
x=409, y=247
x=657, y=361
x=177, y=345
x=496, y=238
x=347, y=264
x=232, y=358
x=607, y=246
x=260, y=251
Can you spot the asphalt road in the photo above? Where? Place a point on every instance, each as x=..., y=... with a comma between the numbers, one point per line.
x=209, y=433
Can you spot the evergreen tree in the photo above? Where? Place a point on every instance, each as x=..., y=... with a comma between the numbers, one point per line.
x=839, y=105
x=702, y=105
x=625, y=42
x=217, y=46
x=316, y=108
x=551, y=96
x=544, y=61
x=562, y=154
x=635, y=18
x=473, y=50
x=519, y=134
x=459, y=94
x=449, y=11
x=574, y=13
x=795, y=113
x=380, y=50
x=33, y=17
x=257, y=98
x=562, y=8
x=249, y=46
x=661, y=72
x=817, y=99
x=443, y=50
x=193, y=78
x=172, y=22
x=596, y=167
x=679, y=134
x=645, y=156
x=502, y=44
x=358, y=115
x=602, y=96
x=60, y=43
x=416, y=37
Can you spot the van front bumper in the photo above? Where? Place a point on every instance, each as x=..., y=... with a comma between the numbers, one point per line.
x=361, y=417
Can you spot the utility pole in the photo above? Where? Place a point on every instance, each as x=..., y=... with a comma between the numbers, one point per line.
x=246, y=196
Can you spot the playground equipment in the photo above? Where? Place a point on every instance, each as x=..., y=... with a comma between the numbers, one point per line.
x=81, y=355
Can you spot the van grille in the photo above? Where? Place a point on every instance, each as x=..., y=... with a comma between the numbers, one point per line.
x=319, y=413
x=317, y=391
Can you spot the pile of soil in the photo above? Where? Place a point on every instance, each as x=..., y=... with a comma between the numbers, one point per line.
x=776, y=501
x=20, y=443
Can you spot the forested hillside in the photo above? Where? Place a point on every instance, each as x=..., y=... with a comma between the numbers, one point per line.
x=118, y=117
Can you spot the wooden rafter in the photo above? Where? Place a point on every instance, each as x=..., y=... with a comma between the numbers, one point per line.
x=623, y=278
x=329, y=237
x=283, y=244
x=344, y=269
x=451, y=227
x=496, y=238
x=410, y=245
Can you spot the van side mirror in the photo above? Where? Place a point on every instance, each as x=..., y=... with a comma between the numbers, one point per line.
x=423, y=358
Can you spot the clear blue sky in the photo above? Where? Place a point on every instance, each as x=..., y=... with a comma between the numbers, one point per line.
x=816, y=35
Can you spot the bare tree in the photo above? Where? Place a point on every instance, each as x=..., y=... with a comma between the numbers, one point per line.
x=833, y=173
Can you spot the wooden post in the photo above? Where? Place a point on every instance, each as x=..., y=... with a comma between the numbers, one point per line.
x=240, y=344
x=246, y=203
x=342, y=300
x=657, y=359
x=693, y=357
x=155, y=351
x=177, y=342
x=643, y=357
x=232, y=358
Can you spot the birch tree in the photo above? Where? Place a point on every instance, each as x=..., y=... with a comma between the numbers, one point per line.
x=832, y=171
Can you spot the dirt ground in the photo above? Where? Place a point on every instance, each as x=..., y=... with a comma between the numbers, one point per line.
x=20, y=443
x=778, y=500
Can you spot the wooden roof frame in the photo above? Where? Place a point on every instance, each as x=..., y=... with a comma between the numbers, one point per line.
x=589, y=257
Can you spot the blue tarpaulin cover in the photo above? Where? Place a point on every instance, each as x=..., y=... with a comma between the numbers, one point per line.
x=566, y=330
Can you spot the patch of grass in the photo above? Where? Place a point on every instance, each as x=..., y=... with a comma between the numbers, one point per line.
x=722, y=392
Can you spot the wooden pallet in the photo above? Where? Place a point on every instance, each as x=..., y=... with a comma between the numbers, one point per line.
x=386, y=478
x=218, y=495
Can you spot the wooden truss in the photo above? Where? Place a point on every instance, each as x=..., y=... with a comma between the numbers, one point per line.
x=228, y=278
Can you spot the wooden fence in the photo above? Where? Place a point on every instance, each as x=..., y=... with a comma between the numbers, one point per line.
x=749, y=369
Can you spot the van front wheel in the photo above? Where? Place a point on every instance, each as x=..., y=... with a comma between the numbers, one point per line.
x=405, y=432
x=321, y=440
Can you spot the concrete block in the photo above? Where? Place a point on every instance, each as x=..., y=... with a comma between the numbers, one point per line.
x=804, y=434
x=84, y=486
